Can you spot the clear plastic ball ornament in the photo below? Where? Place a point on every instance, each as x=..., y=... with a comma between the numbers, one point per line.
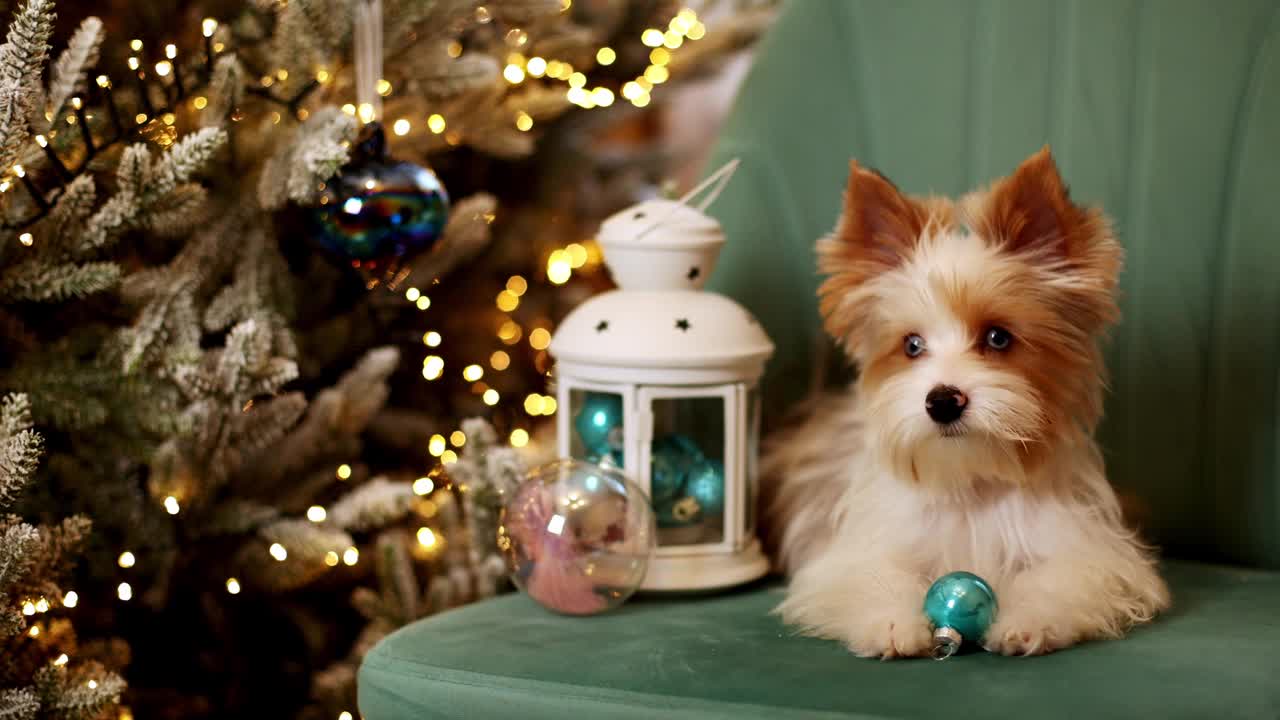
x=577, y=536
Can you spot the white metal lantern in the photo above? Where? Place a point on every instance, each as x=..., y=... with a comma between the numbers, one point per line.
x=661, y=378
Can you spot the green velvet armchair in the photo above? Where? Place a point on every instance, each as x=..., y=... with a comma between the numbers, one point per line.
x=1165, y=113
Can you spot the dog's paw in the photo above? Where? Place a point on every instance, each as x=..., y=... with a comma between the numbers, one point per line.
x=901, y=635
x=1025, y=634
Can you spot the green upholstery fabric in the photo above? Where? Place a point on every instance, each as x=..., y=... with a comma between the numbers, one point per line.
x=1165, y=113
x=1214, y=656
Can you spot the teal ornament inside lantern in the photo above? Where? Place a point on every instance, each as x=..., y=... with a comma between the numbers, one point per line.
x=599, y=425
x=961, y=607
x=377, y=212
x=706, y=485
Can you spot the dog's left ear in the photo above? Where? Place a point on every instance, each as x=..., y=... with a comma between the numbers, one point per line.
x=1031, y=210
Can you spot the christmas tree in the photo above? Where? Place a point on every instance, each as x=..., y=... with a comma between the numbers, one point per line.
x=269, y=433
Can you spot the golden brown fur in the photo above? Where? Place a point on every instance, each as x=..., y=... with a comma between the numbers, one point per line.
x=871, y=499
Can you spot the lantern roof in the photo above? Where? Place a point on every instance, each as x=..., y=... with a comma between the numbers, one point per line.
x=662, y=329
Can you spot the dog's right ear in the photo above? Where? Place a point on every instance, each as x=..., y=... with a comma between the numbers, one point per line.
x=877, y=231
x=880, y=225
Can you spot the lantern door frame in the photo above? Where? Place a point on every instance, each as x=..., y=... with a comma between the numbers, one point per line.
x=731, y=518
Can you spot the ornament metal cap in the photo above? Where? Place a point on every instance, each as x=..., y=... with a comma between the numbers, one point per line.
x=946, y=641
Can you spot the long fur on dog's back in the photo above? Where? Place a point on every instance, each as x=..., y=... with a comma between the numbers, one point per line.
x=801, y=472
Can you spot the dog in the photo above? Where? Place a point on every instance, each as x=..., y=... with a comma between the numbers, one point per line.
x=966, y=440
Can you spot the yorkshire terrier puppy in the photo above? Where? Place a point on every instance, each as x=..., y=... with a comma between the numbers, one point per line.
x=966, y=442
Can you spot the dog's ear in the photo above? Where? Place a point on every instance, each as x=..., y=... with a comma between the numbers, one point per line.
x=1031, y=210
x=879, y=225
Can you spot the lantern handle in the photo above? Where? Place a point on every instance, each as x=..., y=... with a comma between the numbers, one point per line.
x=717, y=181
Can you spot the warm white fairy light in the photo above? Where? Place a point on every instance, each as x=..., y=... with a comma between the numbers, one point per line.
x=26, y=239
x=423, y=303
x=316, y=514
x=171, y=505
x=343, y=472
x=697, y=31
x=533, y=404
x=540, y=339
x=449, y=457
x=171, y=51
x=436, y=123
x=383, y=87
x=660, y=56
x=28, y=608
x=454, y=49
x=135, y=45
x=672, y=39
x=350, y=556
x=19, y=170
x=457, y=438
x=200, y=102
x=426, y=538
x=606, y=55
x=331, y=559
x=431, y=338
x=423, y=486
x=432, y=367
x=401, y=127
x=490, y=397
x=499, y=360
x=344, y=715
x=126, y=559
x=62, y=660
x=42, y=141
x=507, y=301
x=124, y=591
x=42, y=605
x=436, y=446
x=70, y=599
x=233, y=586
x=602, y=96
x=656, y=74
x=365, y=112
x=651, y=37
x=92, y=684
x=558, y=267
x=349, y=109
x=34, y=631
x=513, y=73
x=577, y=80
x=163, y=68
x=537, y=67
x=473, y=372
x=519, y=437
x=140, y=118
x=278, y=552
x=208, y=26
x=103, y=82
x=412, y=294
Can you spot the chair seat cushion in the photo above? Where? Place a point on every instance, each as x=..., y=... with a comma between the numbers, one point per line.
x=1214, y=655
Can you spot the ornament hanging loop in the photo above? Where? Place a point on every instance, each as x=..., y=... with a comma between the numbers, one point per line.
x=367, y=47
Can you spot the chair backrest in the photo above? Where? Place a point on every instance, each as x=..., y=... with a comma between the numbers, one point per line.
x=1167, y=114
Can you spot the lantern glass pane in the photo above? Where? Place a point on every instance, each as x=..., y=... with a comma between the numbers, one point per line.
x=596, y=427
x=687, y=460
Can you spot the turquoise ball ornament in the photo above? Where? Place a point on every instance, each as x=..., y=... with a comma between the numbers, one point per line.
x=674, y=460
x=378, y=213
x=706, y=485
x=961, y=607
x=599, y=425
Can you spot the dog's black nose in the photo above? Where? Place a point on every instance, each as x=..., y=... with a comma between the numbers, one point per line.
x=945, y=404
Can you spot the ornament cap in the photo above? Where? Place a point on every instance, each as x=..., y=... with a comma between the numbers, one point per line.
x=946, y=641
x=371, y=144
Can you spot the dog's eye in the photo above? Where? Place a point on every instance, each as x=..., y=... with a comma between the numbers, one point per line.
x=913, y=345
x=998, y=338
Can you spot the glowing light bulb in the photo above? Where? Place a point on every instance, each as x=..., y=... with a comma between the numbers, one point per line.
x=499, y=360
x=490, y=397
x=423, y=303
x=514, y=74
x=426, y=538
x=163, y=67
x=233, y=586
x=62, y=660
x=331, y=559
x=316, y=514
x=42, y=605
x=28, y=608
x=383, y=87
x=200, y=102
x=457, y=438
x=412, y=294
x=71, y=599
x=124, y=591
x=436, y=446
x=697, y=31
x=651, y=37
x=171, y=505
x=26, y=239
x=401, y=127
x=351, y=556
x=536, y=66
x=278, y=552
x=449, y=457
x=432, y=367
x=540, y=338
x=577, y=80
x=431, y=338
x=602, y=96
x=103, y=81
x=208, y=26
x=519, y=437
x=533, y=404
x=344, y=471
x=133, y=63
x=606, y=55
x=423, y=486
x=436, y=124
x=524, y=121
x=507, y=301
x=171, y=51
x=471, y=373
x=126, y=559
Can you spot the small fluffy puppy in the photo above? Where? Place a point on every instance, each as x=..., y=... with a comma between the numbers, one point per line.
x=966, y=442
